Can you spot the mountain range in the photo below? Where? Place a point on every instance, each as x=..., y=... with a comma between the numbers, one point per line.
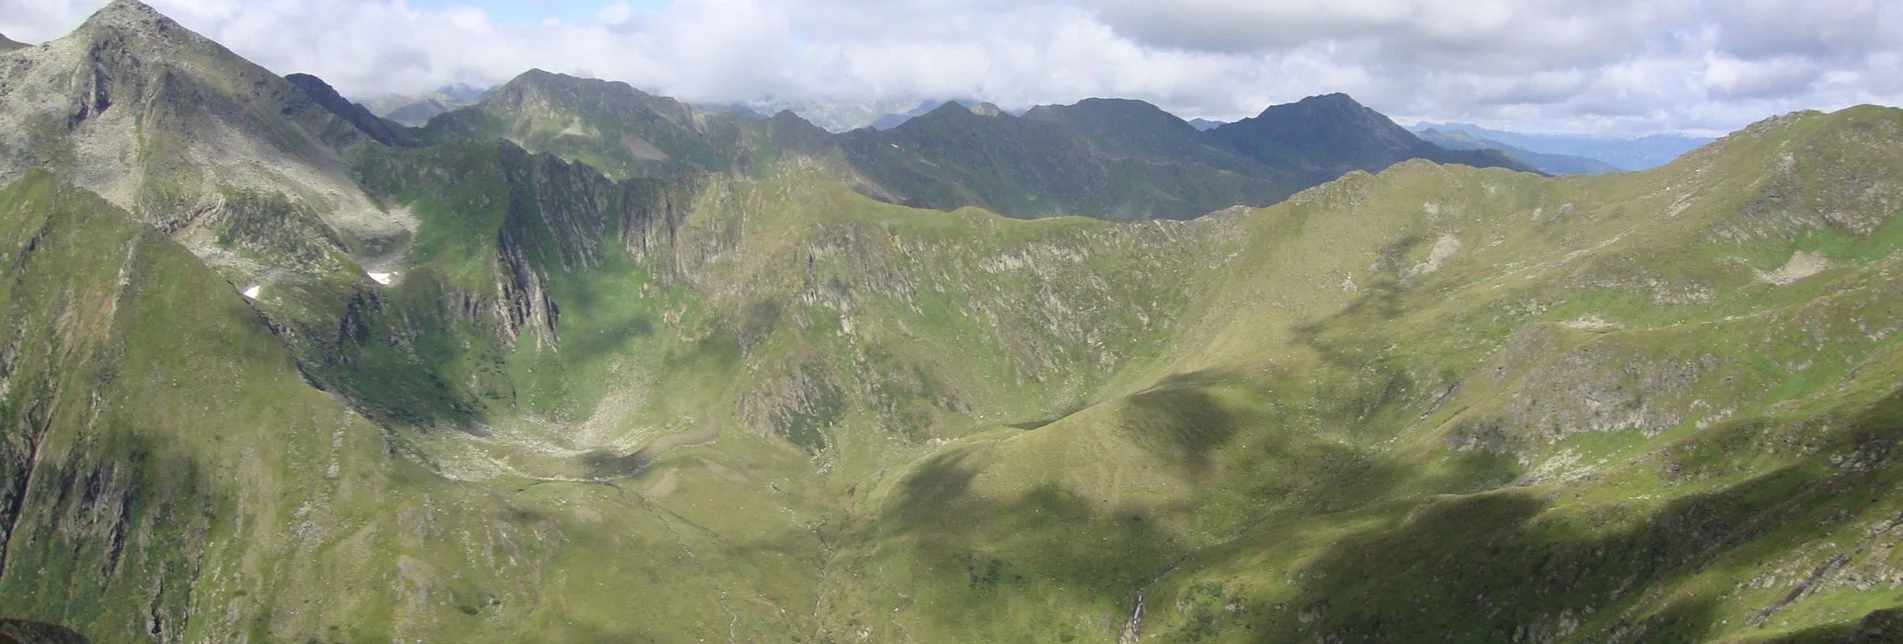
x=1079, y=160
x=579, y=363
x=1555, y=164
x=1633, y=153
x=1565, y=153
x=417, y=110
x=836, y=116
x=895, y=119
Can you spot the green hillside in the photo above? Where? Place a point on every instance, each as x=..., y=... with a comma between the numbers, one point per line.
x=734, y=391
x=1556, y=429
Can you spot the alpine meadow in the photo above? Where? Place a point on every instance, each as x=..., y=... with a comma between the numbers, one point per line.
x=567, y=361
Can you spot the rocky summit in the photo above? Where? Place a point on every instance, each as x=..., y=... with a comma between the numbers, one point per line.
x=575, y=362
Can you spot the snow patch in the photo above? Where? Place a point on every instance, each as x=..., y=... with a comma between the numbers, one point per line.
x=382, y=278
x=252, y=293
x=1444, y=249
x=1802, y=265
x=1592, y=323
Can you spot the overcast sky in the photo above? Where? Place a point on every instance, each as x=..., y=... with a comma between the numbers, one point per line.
x=1604, y=66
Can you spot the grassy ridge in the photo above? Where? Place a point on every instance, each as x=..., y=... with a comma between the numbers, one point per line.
x=1477, y=403
x=1336, y=461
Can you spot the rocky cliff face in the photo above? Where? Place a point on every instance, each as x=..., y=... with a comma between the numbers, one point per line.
x=170, y=125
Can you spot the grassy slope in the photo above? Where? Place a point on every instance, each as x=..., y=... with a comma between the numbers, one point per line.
x=237, y=501
x=1303, y=392
x=1595, y=427
x=152, y=492
x=1323, y=388
x=1268, y=425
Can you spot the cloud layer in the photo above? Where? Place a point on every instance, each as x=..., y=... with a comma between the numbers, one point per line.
x=1614, y=66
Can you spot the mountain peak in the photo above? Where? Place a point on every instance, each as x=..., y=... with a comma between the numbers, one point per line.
x=596, y=89
x=123, y=14
x=961, y=108
x=1108, y=115
x=948, y=108
x=1331, y=134
x=1335, y=98
x=538, y=76
x=1336, y=102
x=534, y=76
x=1120, y=105
x=791, y=120
x=8, y=44
x=140, y=28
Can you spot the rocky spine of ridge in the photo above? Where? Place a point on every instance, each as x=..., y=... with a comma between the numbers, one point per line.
x=359, y=116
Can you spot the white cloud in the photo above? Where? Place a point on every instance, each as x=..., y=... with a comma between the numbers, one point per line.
x=1728, y=77
x=1616, y=65
x=616, y=14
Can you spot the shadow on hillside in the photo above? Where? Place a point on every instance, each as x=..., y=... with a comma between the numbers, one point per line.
x=1177, y=391
x=614, y=316
x=605, y=464
x=101, y=517
x=979, y=555
x=1490, y=567
x=1880, y=627
x=1181, y=419
x=15, y=631
x=386, y=357
x=1332, y=337
x=1341, y=337
x=1033, y=425
x=1103, y=545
